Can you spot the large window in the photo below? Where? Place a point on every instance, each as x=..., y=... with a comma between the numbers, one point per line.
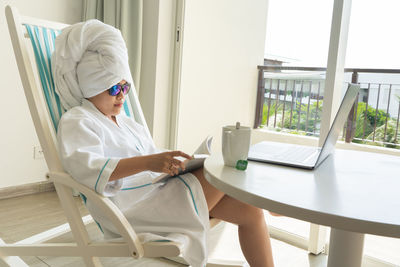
x=298, y=32
x=296, y=51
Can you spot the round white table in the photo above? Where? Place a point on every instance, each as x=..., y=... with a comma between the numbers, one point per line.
x=351, y=191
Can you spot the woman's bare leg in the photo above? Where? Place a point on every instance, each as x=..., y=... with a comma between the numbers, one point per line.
x=253, y=233
x=212, y=194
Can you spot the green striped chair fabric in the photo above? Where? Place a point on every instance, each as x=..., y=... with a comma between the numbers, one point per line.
x=43, y=43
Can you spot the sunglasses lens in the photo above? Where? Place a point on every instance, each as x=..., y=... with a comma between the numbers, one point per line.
x=126, y=88
x=114, y=90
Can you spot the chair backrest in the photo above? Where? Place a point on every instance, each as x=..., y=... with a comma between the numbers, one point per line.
x=33, y=42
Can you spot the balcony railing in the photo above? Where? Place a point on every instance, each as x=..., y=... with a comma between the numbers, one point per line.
x=290, y=99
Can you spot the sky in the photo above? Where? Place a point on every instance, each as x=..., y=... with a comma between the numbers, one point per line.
x=299, y=30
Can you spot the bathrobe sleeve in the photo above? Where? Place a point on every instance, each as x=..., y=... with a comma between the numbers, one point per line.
x=82, y=154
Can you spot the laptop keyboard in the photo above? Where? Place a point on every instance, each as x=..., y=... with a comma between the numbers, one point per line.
x=280, y=152
x=298, y=153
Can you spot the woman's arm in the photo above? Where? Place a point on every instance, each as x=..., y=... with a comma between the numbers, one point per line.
x=161, y=162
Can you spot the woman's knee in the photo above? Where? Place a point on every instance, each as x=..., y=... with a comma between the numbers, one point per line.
x=259, y=214
x=253, y=215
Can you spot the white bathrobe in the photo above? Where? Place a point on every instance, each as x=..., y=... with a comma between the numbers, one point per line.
x=91, y=146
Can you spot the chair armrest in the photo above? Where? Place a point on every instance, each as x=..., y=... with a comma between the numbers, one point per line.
x=108, y=208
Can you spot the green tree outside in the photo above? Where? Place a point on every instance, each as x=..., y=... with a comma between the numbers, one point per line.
x=365, y=119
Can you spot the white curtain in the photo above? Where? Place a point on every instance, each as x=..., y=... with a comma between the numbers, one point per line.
x=126, y=15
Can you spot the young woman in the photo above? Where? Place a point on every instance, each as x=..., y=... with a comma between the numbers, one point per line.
x=112, y=154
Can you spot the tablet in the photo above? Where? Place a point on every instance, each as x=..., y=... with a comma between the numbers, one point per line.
x=190, y=165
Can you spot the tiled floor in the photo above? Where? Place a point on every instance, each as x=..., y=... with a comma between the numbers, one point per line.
x=25, y=216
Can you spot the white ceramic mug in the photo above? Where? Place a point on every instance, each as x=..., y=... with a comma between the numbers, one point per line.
x=235, y=143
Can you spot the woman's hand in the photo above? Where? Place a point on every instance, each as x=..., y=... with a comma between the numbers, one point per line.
x=166, y=162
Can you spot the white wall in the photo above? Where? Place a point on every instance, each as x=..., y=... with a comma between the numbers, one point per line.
x=165, y=52
x=17, y=134
x=157, y=60
x=223, y=44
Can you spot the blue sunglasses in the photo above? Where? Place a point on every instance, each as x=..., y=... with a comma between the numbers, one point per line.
x=116, y=89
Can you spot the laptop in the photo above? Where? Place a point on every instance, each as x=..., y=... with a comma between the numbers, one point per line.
x=306, y=157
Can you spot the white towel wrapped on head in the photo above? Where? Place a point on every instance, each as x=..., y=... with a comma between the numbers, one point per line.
x=89, y=58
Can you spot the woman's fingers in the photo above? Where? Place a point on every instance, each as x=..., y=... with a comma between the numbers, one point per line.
x=175, y=166
x=179, y=154
x=170, y=169
x=171, y=165
x=167, y=162
x=178, y=164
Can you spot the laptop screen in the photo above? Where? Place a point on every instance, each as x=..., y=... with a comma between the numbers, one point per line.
x=339, y=121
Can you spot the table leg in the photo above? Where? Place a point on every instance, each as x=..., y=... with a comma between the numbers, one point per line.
x=345, y=248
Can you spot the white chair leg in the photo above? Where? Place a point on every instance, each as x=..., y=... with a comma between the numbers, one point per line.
x=75, y=221
x=92, y=262
x=12, y=260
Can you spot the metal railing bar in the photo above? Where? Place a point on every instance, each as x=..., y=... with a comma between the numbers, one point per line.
x=260, y=99
x=274, y=67
x=384, y=84
x=372, y=70
x=376, y=112
x=269, y=99
x=284, y=103
x=397, y=123
x=387, y=113
x=316, y=110
x=291, y=107
x=354, y=124
x=308, y=106
x=299, y=109
x=366, y=112
x=277, y=101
